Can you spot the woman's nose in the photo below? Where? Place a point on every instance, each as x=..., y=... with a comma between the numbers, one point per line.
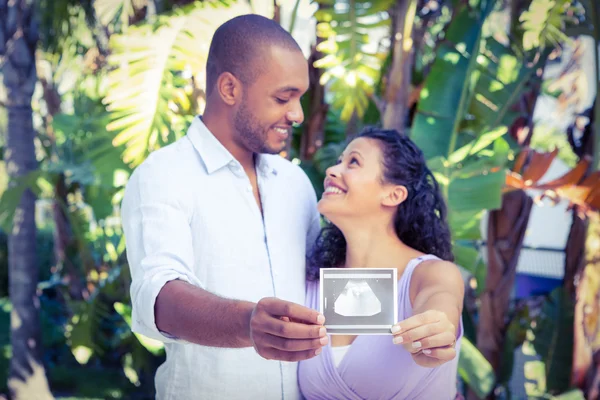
x=333, y=171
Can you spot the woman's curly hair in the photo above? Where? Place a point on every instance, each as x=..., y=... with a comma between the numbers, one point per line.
x=420, y=220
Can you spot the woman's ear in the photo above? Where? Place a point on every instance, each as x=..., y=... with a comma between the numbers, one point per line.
x=396, y=195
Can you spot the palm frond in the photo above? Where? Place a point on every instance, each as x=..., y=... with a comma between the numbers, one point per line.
x=150, y=87
x=544, y=23
x=108, y=10
x=352, y=69
x=61, y=20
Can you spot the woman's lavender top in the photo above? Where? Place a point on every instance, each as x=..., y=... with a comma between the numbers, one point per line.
x=374, y=367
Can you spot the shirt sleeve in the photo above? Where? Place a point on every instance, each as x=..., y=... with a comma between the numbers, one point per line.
x=156, y=224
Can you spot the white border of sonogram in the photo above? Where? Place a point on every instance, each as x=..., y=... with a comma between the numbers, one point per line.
x=357, y=273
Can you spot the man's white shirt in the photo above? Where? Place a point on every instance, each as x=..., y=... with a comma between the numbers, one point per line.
x=189, y=213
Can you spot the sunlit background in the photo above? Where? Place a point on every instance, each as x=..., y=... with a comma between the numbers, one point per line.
x=501, y=95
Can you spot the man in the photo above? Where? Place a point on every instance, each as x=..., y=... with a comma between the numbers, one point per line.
x=217, y=227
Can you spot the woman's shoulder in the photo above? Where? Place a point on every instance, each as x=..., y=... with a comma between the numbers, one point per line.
x=433, y=270
x=435, y=274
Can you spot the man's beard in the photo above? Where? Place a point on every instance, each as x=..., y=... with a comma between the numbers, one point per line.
x=253, y=137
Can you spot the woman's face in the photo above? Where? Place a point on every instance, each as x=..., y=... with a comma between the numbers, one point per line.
x=353, y=187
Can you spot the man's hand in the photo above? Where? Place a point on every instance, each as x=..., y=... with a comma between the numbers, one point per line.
x=281, y=330
x=429, y=337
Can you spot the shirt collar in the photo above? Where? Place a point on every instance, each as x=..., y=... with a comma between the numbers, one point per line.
x=263, y=166
x=215, y=156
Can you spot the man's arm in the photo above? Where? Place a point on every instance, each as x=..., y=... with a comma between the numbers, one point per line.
x=170, y=303
x=197, y=316
x=439, y=286
x=190, y=313
x=436, y=292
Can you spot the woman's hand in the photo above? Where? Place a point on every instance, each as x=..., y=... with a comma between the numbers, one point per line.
x=430, y=337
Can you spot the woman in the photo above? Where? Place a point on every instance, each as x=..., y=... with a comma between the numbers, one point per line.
x=385, y=211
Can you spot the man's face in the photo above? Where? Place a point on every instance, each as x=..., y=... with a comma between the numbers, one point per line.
x=271, y=104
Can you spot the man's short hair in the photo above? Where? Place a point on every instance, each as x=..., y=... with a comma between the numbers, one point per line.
x=239, y=45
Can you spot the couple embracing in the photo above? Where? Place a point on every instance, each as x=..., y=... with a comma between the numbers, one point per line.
x=224, y=244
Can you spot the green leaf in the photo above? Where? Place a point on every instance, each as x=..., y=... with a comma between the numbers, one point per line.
x=478, y=166
x=515, y=336
x=534, y=373
x=462, y=117
x=94, y=161
x=83, y=327
x=444, y=98
x=480, y=276
x=501, y=151
x=107, y=10
x=543, y=23
x=470, y=329
x=553, y=339
x=503, y=76
x=470, y=259
x=466, y=257
x=11, y=198
x=316, y=177
x=100, y=198
x=475, y=370
x=477, y=145
x=153, y=66
x=476, y=193
x=63, y=21
x=465, y=225
x=153, y=346
x=574, y=394
x=351, y=71
x=327, y=156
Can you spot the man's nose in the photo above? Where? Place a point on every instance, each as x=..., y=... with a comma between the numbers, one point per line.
x=296, y=115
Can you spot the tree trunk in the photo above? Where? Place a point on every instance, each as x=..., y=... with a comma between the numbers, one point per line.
x=313, y=132
x=586, y=354
x=18, y=41
x=506, y=230
x=574, y=265
x=592, y=386
x=313, y=129
x=399, y=79
x=277, y=12
x=575, y=252
x=595, y=19
x=64, y=239
x=576, y=281
x=591, y=272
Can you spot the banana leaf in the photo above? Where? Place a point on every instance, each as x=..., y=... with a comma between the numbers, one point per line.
x=444, y=98
x=475, y=370
x=553, y=339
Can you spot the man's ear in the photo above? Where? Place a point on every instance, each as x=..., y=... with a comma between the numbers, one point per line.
x=229, y=88
x=396, y=195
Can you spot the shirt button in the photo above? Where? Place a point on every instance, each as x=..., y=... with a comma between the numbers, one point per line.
x=249, y=188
